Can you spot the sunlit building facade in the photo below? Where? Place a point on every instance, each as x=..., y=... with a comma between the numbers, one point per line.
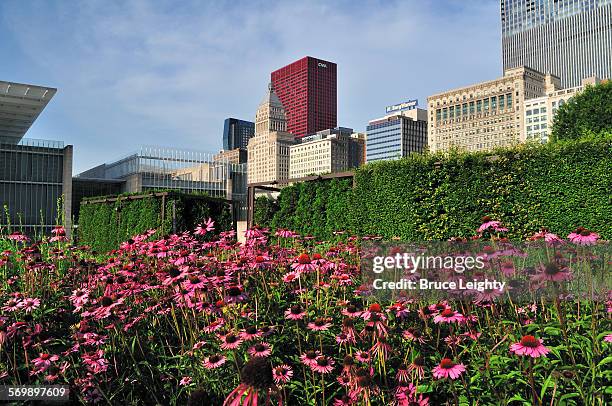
x=268, y=150
x=330, y=151
x=483, y=116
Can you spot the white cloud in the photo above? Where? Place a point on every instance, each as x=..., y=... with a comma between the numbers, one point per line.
x=168, y=73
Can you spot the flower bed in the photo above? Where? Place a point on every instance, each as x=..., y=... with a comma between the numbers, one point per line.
x=181, y=321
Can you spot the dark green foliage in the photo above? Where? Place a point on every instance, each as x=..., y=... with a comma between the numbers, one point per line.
x=589, y=112
x=104, y=226
x=315, y=208
x=265, y=209
x=434, y=197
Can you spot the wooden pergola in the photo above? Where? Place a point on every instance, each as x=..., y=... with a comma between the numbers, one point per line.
x=275, y=186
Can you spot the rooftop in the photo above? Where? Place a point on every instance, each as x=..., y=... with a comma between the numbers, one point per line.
x=20, y=106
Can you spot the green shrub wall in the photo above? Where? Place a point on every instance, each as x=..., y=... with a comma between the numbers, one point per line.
x=434, y=197
x=104, y=225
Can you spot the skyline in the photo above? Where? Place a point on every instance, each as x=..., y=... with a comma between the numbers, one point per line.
x=143, y=74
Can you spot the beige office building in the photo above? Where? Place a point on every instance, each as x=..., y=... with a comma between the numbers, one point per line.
x=268, y=150
x=232, y=156
x=329, y=151
x=485, y=115
x=540, y=112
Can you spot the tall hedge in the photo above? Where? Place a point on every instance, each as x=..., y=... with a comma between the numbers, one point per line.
x=435, y=197
x=104, y=225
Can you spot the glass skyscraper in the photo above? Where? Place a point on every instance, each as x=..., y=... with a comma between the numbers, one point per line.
x=571, y=39
x=396, y=136
x=236, y=133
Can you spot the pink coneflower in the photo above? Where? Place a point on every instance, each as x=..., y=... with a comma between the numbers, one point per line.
x=363, y=356
x=531, y=346
x=374, y=310
x=203, y=229
x=255, y=233
x=402, y=375
x=256, y=381
x=199, y=345
x=549, y=238
x=552, y=272
x=250, y=333
x=260, y=350
x=344, y=338
x=494, y=225
x=448, y=316
x=323, y=365
x=381, y=348
x=282, y=373
x=186, y=380
x=11, y=305
x=417, y=366
x=351, y=311
x=319, y=324
x=582, y=236
x=408, y=396
x=448, y=369
x=29, y=304
x=194, y=282
x=295, y=313
x=231, y=342
x=59, y=234
x=309, y=357
x=303, y=263
x=17, y=236
x=284, y=233
x=292, y=276
x=487, y=295
x=234, y=294
x=43, y=362
x=438, y=307
x=214, y=326
x=213, y=361
x=412, y=334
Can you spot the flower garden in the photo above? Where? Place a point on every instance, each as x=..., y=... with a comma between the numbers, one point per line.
x=197, y=318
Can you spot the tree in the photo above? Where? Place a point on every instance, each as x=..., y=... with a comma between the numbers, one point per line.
x=589, y=112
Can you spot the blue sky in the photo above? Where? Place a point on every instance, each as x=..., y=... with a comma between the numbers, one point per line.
x=156, y=72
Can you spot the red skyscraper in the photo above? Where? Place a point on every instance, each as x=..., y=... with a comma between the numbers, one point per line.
x=307, y=89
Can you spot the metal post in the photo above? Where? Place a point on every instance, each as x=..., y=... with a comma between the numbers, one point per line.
x=174, y=216
x=250, y=205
